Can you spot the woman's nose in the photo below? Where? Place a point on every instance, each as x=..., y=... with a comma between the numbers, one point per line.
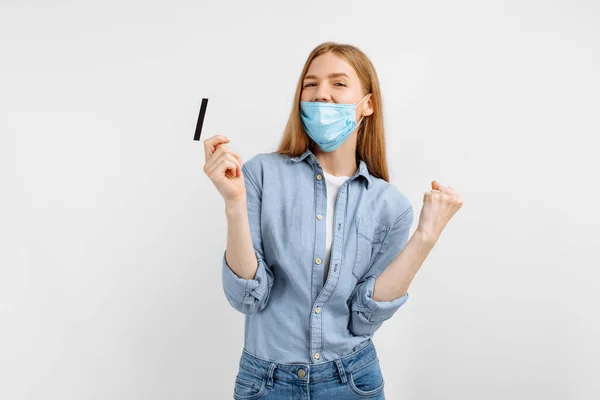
x=322, y=94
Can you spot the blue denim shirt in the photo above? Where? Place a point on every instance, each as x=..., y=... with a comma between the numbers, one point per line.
x=291, y=314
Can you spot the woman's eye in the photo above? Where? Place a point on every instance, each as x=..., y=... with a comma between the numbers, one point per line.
x=312, y=84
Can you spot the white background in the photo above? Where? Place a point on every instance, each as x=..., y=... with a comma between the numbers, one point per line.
x=111, y=235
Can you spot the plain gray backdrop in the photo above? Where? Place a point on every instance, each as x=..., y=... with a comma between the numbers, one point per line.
x=112, y=236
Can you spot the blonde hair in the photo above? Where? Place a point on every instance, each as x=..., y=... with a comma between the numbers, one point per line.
x=370, y=146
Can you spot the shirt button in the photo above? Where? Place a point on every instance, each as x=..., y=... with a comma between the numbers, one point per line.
x=319, y=217
x=319, y=177
x=317, y=356
x=318, y=261
x=301, y=373
x=318, y=310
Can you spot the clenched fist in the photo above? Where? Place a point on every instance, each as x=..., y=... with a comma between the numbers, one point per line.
x=224, y=168
x=439, y=205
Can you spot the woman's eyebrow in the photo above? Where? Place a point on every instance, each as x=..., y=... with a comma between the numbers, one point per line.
x=334, y=75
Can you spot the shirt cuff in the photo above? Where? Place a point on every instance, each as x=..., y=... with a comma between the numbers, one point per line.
x=247, y=291
x=376, y=311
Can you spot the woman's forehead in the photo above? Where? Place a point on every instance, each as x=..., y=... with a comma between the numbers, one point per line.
x=326, y=64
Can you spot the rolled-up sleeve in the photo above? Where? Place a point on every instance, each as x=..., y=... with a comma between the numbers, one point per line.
x=247, y=295
x=367, y=315
x=250, y=295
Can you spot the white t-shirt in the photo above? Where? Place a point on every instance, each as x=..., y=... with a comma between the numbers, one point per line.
x=333, y=187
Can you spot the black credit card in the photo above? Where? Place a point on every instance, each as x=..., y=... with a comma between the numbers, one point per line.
x=200, y=119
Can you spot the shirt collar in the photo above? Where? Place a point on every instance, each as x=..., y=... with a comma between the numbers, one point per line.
x=362, y=167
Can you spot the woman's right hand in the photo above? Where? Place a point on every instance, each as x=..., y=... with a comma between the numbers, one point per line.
x=224, y=168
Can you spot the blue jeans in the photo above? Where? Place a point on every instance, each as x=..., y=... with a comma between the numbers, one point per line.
x=354, y=376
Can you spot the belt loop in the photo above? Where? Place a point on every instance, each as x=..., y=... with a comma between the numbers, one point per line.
x=270, y=377
x=341, y=371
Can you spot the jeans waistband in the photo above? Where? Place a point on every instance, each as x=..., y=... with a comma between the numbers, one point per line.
x=337, y=368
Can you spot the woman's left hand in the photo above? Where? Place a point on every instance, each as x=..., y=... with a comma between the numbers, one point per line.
x=439, y=205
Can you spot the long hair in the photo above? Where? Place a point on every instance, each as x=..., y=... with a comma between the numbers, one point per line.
x=370, y=146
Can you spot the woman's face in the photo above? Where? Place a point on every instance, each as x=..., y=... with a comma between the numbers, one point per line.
x=331, y=79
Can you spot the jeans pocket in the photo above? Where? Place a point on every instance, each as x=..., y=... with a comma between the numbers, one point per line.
x=367, y=381
x=248, y=386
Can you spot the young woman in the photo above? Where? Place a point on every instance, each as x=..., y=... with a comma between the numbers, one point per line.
x=318, y=255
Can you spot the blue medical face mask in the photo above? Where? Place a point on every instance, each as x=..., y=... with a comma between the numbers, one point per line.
x=329, y=124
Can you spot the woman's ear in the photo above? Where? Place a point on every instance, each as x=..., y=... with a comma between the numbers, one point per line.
x=369, y=109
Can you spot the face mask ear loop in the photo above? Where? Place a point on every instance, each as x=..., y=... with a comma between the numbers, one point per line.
x=357, y=125
x=362, y=100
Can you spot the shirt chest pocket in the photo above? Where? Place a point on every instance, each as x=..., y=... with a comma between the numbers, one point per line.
x=369, y=238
